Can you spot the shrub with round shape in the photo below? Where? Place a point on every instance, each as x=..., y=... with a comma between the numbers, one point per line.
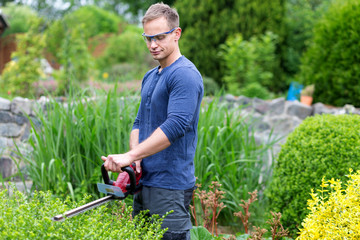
x=321, y=146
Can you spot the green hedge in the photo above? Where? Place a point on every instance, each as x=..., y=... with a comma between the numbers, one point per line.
x=31, y=218
x=321, y=146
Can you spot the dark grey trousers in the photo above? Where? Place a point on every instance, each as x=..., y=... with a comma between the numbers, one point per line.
x=160, y=201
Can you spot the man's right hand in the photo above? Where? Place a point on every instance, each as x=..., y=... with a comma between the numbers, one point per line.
x=115, y=162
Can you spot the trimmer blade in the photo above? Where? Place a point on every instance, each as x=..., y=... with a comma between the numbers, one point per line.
x=81, y=209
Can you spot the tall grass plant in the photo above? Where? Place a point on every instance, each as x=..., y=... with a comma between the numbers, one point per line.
x=227, y=153
x=70, y=137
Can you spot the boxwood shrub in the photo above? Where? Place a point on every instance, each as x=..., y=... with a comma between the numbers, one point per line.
x=22, y=217
x=321, y=146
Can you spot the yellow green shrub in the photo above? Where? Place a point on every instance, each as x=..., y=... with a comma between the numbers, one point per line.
x=334, y=211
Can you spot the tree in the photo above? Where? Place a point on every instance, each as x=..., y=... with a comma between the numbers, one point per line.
x=332, y=61
x=21, y=73
x=301, y=16
x=91, y=20
x=19, y=18
x=207, y=24
x=138, y=8
x=4, y=2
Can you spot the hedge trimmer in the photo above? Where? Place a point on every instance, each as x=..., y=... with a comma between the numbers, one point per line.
x=126, y=183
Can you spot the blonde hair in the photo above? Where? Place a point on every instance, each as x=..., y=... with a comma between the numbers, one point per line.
x=159, y=10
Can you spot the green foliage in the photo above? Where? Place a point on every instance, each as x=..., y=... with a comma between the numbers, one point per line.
x=91, y=20
x=332, y=210
x=19, y=18
x=30, y=218
x=95, y=20
x=321, y=146
x=75, y=59
x=332, y=61
x=201, y=233
x=55, y=34
x=210, y=86
x=140, y=6
x=24, y=70
x=249, y=62
x=255, y=90
x=227, y=153
x=207, y=24
x=70, y=138
x=300, y=18
x=126, y=48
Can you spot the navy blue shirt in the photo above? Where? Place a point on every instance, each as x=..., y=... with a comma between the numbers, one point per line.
x=171, y=100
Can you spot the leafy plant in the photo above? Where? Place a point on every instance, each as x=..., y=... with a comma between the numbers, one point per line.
x=253, y=90
x=211, y=88
x=308, y=90
x=333, y=210
x=90, y=19
x=323, y=145
x=331, y=62
x=202, y=33
x=126, y=48
x=19, y=17
x=300, y=18
x=75, y=59
x=30, y=218
x=25, y=68
x=249, y=62
x=201, y=233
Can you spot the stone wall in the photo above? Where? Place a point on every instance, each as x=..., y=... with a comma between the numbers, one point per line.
x=14, y=129
x=272, y=120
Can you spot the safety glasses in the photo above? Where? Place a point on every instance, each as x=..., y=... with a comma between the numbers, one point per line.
x=157, y=37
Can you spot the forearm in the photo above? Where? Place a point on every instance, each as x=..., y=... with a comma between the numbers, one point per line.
x=157, y=142
x=134, y=138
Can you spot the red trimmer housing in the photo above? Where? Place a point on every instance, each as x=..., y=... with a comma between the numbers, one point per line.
x=123, y=180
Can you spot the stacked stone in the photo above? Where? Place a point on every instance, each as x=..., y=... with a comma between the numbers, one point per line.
x=273, y=120
x=14, y=129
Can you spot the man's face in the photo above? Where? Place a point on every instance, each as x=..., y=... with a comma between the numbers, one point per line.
x=163, y=45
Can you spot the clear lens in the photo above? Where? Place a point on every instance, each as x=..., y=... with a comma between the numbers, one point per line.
x=158, y=37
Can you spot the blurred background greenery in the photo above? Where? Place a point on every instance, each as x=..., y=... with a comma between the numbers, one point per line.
x=247, y=47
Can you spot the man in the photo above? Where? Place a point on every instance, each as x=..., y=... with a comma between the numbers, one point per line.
x=164, y=134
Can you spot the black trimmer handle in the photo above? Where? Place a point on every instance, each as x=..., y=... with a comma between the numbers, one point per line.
x=126, y=169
